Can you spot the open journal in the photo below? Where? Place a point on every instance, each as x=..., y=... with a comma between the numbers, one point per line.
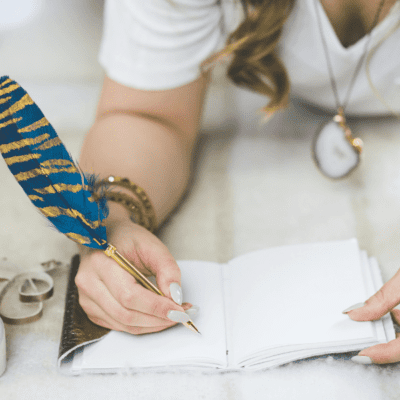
x=259, y=310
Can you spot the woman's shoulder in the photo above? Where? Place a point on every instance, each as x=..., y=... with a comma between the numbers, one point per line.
x=160, y=44
x=167, y=7
x=164, y=9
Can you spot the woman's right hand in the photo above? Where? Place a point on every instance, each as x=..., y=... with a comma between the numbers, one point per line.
x=112, y=298
x=147, y=137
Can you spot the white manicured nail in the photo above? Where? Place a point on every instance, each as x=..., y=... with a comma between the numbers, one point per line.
x=192, y=311
x=178, y=316
x=354, y=307
x=176, y=293
x=362, y=360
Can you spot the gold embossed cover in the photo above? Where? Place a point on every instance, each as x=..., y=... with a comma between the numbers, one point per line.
x=77, y=329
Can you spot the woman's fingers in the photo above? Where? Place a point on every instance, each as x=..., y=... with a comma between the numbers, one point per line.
x=123, y=299
x=113, y=298
x=100, y=317
x=146, y=323
x=385, y=353
x=146, y=252
x=157, y=259
x=383, y=301
x=130, y=294
x=116, y=312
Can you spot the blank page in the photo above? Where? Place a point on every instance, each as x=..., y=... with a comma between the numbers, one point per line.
x=383, y=329
x=202, y=286
x=295, y=295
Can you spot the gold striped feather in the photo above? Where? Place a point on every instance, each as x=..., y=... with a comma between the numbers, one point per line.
x=36, y=125
x=5, y=148
x=54, y=212
x=57, y=162
x=8, y=89
x=59, y=187
x=9, y=122
x=33, y=173
x=2, y=101
x=6, y=82
x=23, y=158
x=100, y=244
x=49, y=144
x=78, y=238
x=17, y=106
x=33, y=197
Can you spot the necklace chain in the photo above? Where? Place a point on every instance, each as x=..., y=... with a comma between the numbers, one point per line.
x=360, y=61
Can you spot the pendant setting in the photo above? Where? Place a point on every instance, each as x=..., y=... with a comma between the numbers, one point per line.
x=336, y=152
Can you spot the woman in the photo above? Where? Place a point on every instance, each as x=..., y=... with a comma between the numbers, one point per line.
x=150, y=107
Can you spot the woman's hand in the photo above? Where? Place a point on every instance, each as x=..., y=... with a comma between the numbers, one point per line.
x=376, y=307
x=112, y=298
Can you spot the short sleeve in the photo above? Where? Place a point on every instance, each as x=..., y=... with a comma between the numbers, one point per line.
x=159, y=44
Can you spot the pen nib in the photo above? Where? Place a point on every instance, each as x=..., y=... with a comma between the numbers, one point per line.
x=192, y=326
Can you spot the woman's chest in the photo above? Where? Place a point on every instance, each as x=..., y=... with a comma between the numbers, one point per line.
x=305, y=58
x=353, y=19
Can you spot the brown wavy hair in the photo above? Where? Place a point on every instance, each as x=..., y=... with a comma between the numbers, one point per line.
x=251, y=48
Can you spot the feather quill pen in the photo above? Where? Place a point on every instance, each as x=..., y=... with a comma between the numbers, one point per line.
x=46, y=172
x=43, y=167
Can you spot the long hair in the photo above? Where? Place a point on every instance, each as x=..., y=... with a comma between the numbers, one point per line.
x=251, y=48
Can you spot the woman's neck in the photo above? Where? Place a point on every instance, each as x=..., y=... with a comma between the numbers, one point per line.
x=353, y=19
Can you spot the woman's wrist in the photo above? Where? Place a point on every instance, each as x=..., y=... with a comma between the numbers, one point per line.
x=117, y=214
x=128, y=195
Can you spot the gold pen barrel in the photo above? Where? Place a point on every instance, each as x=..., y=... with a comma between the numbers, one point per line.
x=112, y=252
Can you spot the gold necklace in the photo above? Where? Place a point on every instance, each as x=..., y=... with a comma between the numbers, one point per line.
x=335, y=150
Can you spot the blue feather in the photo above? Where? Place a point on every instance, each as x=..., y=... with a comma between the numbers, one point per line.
x=45, y=170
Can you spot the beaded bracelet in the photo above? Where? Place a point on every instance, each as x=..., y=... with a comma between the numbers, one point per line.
x=140, y=209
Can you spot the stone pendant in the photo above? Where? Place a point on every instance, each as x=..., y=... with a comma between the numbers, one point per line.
x=335, y=151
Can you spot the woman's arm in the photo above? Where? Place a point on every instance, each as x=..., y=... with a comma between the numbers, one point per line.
x=147, y=137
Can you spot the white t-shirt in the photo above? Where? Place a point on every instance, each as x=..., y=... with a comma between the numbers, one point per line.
x=160, y=44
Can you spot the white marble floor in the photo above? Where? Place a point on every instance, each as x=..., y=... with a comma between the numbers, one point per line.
x=254, y=187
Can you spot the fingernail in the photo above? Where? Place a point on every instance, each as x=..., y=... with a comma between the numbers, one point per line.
x=192, y=311
x=355, y=306
x=362, y=360
x=176, y=293
x=178, y=316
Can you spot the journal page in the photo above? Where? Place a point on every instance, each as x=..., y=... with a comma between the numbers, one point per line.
x=383, y=328
x=293, y=297
x=202, y=286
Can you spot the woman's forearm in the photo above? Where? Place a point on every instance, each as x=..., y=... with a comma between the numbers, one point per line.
x=147, y=137
x=150, y=153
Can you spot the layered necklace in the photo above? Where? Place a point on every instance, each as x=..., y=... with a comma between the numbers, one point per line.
x=336, y=152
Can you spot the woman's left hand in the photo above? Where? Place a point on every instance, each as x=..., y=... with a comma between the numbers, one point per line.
x=382, y=302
